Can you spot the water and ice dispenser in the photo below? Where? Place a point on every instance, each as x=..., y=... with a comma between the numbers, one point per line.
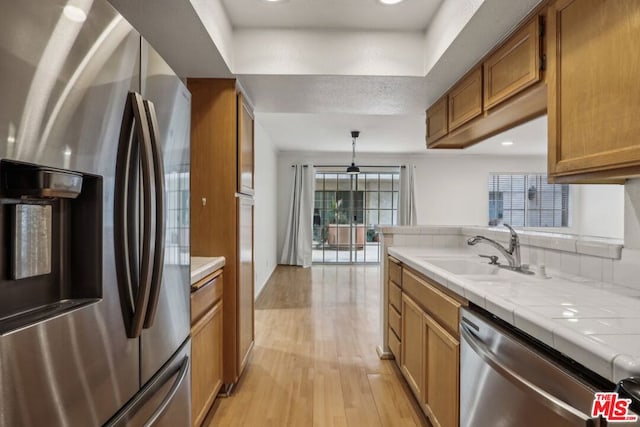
x=51, y=237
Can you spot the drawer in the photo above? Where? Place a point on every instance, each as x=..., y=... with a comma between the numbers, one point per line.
x=395, y=271
x=208, y=291
x=441, y=306
x=395, y=296
x=394, y=345
x=395, y=321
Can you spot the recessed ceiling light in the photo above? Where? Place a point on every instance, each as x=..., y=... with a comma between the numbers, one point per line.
x=390, y=1
x=507, y=143
x=74, y=13
x=275, y=1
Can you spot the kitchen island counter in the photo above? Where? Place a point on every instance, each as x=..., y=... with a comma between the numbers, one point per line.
x=594, y=323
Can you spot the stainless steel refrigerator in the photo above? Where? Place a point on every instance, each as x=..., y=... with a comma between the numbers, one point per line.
x=94, y=213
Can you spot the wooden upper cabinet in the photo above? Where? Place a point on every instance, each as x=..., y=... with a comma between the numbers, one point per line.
x=594, y=94
x=465, y=99
x=514, y=66
x=437, y=121
x=245, y=147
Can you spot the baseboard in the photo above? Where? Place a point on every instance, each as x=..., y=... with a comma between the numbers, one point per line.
x=384, y=355
x=264, y=284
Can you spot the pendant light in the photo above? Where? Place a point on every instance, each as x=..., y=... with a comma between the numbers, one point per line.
x=353, y=169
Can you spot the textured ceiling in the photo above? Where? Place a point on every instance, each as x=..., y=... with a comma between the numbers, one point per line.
x=170, y=26
x=331, y=132
x=326, y=105
x=529, y=139
x=388, y=134
x=336, y=94
x=409, y=15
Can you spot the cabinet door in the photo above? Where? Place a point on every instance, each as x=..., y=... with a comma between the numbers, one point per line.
x=593, y=70
x=245, y=147
x=514, y=66
x=206, y=369
x=245, y=280
x=442, y=367
x=437, y=121
x=411, y=345
x=465, y=100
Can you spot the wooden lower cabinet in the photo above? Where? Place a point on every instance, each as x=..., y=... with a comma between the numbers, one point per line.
x=429, y=348
x=441, y=368
x=394, y=346
x=411, y=345
x=206, y=348
x=245, y=294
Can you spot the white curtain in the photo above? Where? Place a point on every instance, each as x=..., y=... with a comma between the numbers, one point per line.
x=299, y=238
x=407, y=213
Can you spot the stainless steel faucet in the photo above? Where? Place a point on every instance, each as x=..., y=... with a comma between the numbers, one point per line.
x=512, y=254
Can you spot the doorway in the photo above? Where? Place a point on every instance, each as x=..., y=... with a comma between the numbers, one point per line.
x=347, y=208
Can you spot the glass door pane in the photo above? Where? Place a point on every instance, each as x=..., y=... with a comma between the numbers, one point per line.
x=347, y=209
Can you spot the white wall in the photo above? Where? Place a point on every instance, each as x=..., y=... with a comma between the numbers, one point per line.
x=452, y=189
x=446, y=25
x=266, y=209
x=599, y=211
x=214, y=18
x=351, y=53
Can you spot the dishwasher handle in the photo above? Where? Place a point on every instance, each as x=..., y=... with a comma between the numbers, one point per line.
x=561, y=408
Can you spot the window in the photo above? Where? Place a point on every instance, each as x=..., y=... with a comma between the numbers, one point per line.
x=347, y=209
x=527, y=201
x=177, y=216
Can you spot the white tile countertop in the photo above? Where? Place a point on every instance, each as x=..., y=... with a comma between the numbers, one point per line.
x=593, y=322
x=203, y=266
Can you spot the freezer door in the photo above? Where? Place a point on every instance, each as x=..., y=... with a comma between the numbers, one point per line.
x=165, y=400
x=64, y=77
x=169, y=106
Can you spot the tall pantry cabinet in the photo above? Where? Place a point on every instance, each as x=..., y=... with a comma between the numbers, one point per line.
x=222, y=206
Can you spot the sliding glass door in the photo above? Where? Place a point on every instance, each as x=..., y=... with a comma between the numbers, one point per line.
x=347, y=209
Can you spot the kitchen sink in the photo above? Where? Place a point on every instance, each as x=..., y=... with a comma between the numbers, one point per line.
x=491, y=278
x=465, y=266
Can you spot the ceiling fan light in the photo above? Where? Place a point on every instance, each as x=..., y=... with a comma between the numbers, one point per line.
x=353, y=169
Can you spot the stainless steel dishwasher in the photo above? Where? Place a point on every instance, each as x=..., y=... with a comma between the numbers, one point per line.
x=507, y=382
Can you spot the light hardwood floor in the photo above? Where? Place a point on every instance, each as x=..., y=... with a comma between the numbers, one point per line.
x=314, y=362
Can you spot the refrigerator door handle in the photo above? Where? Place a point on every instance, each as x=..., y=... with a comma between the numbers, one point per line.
x=124, y=257
x=134, y=304
x=158, y=257
x=148, y=222
x=182, y=373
